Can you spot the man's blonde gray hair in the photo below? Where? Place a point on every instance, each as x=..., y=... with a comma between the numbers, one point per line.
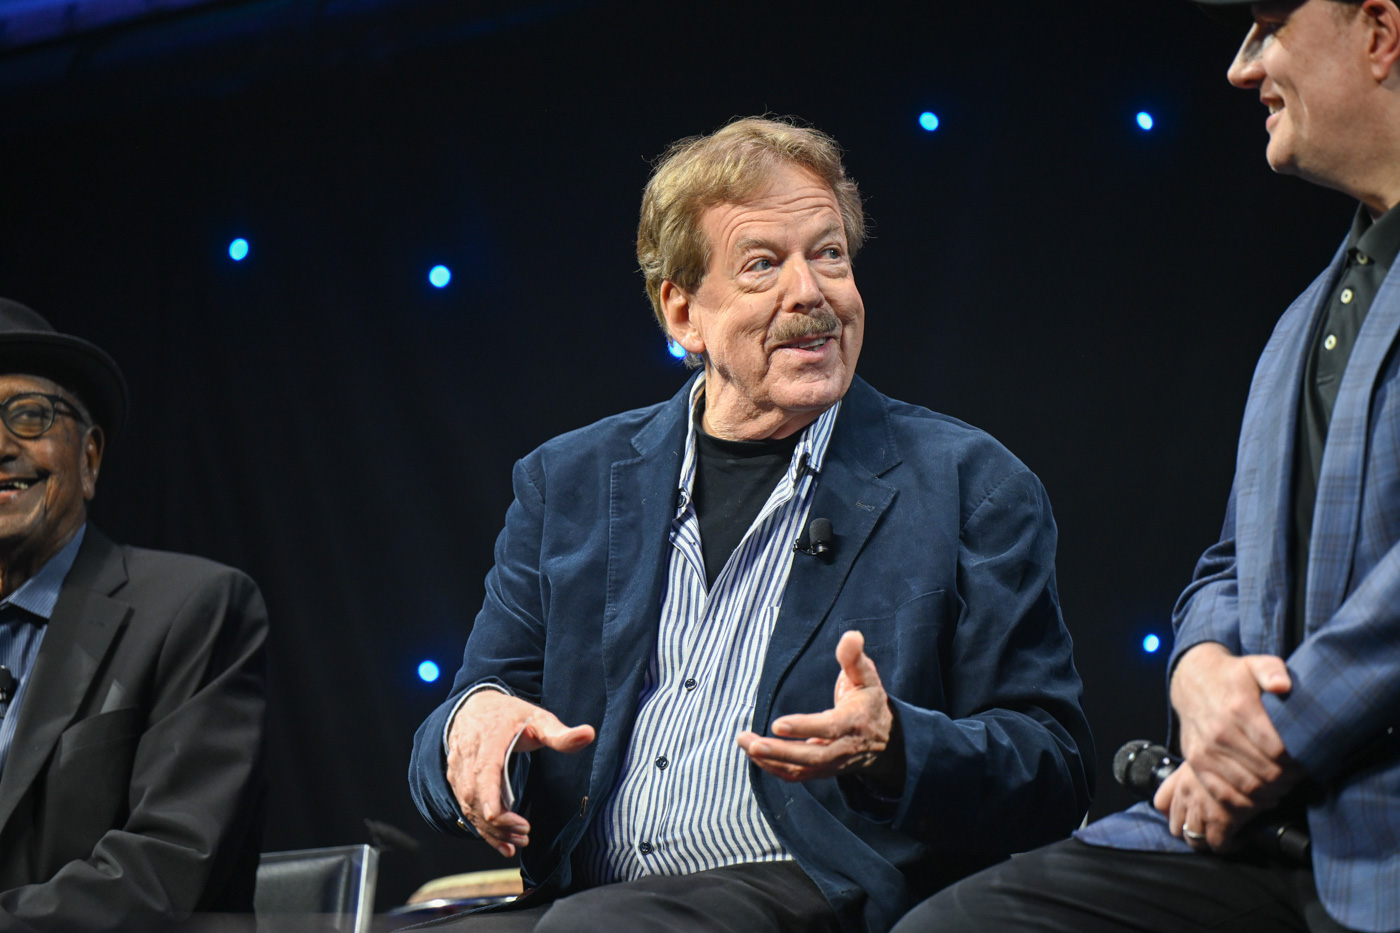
x=727, y=167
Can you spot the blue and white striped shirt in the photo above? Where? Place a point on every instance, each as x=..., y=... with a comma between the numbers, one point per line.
x=22, y=615
x=683, y=802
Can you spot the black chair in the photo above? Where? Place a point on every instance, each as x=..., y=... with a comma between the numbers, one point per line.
x=330, y=890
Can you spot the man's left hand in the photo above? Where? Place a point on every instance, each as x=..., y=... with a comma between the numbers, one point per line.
x=849, y=737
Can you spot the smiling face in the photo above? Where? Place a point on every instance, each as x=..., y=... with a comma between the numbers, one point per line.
x=1312, y=66
x=45, y=484
x=777, y=317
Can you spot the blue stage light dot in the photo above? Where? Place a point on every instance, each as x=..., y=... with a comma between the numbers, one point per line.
x=1144, y=120
x=1151, y=643
x=439, y=276
x=928, y=120
x=675, y=349
x=238, y=250
x=428, y=671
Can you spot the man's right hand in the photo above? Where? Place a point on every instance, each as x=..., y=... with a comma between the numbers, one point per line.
x=476, y=752
x=1238, y=763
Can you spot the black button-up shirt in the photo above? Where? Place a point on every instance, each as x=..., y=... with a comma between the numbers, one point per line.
x=1371, y=249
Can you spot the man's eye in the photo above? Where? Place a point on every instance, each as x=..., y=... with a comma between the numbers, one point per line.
x=761, y=265
x=831, y=252
x=28, y=414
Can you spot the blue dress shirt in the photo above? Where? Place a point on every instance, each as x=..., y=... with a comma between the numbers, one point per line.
x=24, y=615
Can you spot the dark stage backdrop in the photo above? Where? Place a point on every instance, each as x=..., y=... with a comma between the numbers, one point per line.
x=1093, y=295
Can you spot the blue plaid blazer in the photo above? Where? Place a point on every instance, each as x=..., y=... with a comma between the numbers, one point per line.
x=1346, y=673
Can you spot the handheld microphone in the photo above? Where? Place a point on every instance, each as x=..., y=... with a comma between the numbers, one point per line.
x=1141, y=767
x=817, y=539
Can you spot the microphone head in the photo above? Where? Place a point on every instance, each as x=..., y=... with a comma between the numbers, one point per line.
x=1124, y=758
x=1141, y=767
x=820, y=530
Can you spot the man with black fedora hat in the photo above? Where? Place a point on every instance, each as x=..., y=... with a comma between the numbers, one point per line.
x=1283, y=809
x=132, y=682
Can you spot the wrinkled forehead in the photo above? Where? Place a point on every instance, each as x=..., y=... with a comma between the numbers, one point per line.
x=14, y=383
x=18, y=383
x=788, y=197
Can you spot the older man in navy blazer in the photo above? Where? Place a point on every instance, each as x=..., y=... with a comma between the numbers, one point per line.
x=1285, y=676
x=762, y=736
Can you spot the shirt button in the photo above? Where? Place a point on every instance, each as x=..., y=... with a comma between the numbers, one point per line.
x=1347, y=296
x=1331, y=342
x=690, y=683
x=661, y=762
x=644, y=848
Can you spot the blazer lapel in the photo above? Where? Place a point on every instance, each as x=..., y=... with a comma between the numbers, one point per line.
x=1264, y=473
x=853, y=497
x=85, y=620
x=1337, y=515
x=642, y=504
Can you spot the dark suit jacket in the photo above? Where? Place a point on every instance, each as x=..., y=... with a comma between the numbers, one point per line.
x=944, y=559
x=132, y=791
x=1346, y=671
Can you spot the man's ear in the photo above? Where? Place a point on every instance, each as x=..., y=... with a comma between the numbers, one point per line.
x=94, y=442
x=676, y=307
x=1383, y=19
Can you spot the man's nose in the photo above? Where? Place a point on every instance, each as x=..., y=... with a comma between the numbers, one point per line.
x=10, y=444
x=804, y=290
x=1246, y=71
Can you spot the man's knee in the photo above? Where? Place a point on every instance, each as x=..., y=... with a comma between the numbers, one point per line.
x=597, y=910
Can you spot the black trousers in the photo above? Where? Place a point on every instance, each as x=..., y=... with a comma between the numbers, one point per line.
x=762, y=897
x=1075, y=887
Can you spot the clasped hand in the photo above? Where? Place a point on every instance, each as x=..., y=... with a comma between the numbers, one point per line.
x=848, y=737
x=1236, y=764
x=477, y=744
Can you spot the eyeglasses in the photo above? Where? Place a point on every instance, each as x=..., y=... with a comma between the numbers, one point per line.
x=30, y=414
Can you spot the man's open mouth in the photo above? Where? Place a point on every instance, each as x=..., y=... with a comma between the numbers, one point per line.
x=811, y=343
x=16, y=485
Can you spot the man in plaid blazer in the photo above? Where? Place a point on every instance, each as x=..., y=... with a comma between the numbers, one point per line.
x=1285, y=675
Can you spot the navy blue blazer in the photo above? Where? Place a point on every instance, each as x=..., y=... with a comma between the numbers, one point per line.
x=1346, y=672
x=944, y=559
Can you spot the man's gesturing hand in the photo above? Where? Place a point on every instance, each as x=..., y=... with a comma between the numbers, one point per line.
x=1236, y=763
x=476, y=753
x=849, y=736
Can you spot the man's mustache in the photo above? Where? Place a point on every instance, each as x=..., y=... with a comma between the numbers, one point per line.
x=820, y=322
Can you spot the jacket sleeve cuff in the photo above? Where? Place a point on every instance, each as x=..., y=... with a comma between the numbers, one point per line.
x=472, y=691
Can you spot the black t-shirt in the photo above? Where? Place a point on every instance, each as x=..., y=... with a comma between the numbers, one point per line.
x=733, y=479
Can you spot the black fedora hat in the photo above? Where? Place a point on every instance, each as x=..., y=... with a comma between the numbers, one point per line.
x=29, y=344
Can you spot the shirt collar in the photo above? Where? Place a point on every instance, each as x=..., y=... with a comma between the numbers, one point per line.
x=1378, y=239
x=807, y=456
x=39, y=593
